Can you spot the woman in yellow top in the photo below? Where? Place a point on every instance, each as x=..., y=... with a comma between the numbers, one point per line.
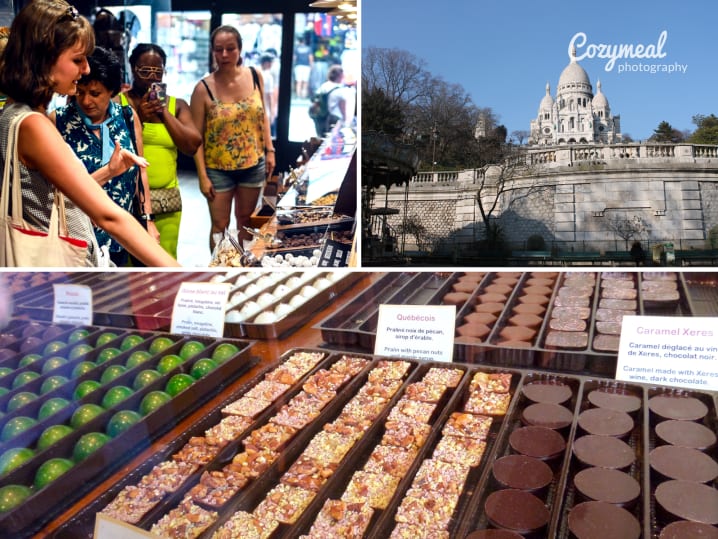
x=166, y=127
x=237, y=154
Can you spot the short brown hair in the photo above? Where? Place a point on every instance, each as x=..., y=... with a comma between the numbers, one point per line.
x=335, y=73
x=41, y=32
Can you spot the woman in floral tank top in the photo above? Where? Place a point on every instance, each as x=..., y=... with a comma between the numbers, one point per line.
x=237, y=154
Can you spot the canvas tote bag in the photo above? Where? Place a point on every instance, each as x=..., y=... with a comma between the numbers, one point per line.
x=22, y=244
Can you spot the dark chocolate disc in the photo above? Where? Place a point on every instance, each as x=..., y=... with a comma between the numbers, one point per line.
x=602, y=520
x=687, y=500
x=516, y=510
x=539, y=442
x=604, y=485
x=603, y=451
x=492, y=533
x=548, y=392
x=685, y=463
x=615, y=400
x=542, y=414
x=686, y=434
x=522, y=473
x=677, y=407
x=683, y=529
x=605, y=422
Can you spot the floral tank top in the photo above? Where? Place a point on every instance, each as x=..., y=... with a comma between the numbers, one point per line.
x=234, y=132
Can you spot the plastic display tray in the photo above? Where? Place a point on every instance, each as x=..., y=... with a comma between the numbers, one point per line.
x=122, y=299
x=469, y=514
x=354, y=325
x=49, y=501
x=336, y=283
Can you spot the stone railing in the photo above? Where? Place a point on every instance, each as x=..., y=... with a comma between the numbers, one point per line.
x=589, y=154
x=703, y=151
x=436, y=177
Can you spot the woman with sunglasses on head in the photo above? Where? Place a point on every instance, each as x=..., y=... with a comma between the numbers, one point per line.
x=237, y=153
x=95, y=127
x=48, y=53
x=166, y=128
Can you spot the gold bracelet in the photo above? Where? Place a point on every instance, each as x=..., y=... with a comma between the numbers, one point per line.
x=270, y=150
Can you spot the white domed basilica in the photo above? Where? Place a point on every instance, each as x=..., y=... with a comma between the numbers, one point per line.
x=576, y=115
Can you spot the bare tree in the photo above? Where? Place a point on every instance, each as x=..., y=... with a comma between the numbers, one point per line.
x=413, y=226
x=499, y=187
x=439, y=118
x=520, y=135
x=399, y=74
x=626, y=228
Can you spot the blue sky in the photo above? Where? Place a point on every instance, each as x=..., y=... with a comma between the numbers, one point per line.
x=504, y=52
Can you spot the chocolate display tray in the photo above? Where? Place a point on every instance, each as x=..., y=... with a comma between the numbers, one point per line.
x=468, y=514
x=297, y=317
x=355, y=323
x=121, y=299
x=307, y=249
x=81, y=526
x=320, y=225
x=47, y=503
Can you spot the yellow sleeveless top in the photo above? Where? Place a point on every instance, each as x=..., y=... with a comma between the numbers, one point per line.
x=234, y=133
x=160, y=150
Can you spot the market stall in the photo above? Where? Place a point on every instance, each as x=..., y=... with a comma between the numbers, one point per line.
x=309, y=218
x=310, y=433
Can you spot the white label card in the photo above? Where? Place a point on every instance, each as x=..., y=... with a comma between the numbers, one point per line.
x=416, y=331
x=199, y=309
x=111, y=528
x=73, y=304
x=671, y=351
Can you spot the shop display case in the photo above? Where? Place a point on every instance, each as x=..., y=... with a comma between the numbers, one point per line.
x=85, y=399
x=306, y=432
x=315, y=205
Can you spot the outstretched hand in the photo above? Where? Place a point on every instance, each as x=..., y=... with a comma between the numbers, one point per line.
x=122, y=160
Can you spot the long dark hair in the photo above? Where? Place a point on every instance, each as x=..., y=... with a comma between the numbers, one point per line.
x=40, y=33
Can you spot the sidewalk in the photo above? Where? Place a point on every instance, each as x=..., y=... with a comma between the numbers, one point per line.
x=193, y=246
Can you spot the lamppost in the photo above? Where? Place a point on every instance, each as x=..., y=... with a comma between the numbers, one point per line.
x=433, y=153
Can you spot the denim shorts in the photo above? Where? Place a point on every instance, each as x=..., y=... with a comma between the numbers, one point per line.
x=228, y=180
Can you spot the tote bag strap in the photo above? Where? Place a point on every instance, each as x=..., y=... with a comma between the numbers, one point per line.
x=58, y=220
x=11, y=157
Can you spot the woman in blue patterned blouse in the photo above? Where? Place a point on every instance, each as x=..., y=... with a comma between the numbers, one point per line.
x=97, y=130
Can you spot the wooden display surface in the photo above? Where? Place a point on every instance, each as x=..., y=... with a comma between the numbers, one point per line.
x=268, y=351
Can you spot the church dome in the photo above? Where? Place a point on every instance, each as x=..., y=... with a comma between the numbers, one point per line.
x=599, y=100
x=573, y=74
x=547, y=101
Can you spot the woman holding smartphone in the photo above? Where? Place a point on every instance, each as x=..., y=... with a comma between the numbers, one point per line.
x=166, y=128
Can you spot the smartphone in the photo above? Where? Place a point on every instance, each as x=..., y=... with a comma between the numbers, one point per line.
x=158, y=90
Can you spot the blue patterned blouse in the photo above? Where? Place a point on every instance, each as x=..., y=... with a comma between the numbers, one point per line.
x=88, y=148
